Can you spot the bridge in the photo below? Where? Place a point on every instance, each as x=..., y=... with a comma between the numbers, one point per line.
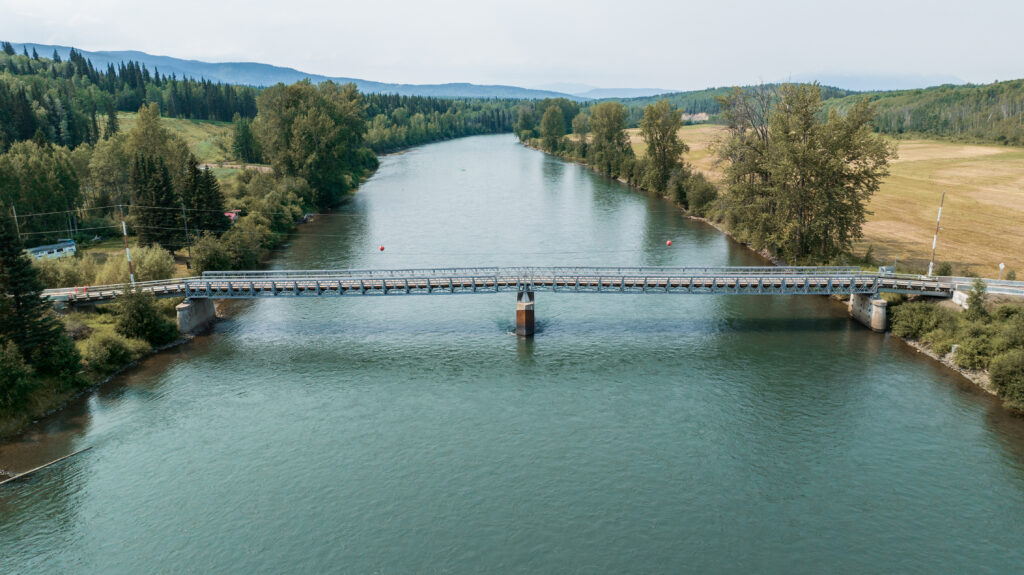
x=862, y=287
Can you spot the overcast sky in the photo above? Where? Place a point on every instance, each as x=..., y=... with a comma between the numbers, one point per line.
x=625, y=43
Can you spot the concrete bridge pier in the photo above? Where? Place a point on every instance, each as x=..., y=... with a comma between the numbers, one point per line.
x=195, y=315
x=870, y=310
x=524, y=314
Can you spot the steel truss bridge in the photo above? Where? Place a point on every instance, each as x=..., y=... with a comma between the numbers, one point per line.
x=527, y=280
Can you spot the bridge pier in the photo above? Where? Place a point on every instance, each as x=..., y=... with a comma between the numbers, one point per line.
x=524, y=314
x=870, y=310
x=195, y=315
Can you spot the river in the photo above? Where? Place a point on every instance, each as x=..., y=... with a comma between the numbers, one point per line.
x=634, y=433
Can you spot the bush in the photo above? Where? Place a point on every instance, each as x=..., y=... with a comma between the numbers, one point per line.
x=944, y=269
x=150, y=263
x=1011, y=275
x=1007, y=373
x=80, y=270
x=914, y=319
x=139, y=317
x=973, y=353
x=107, y=352
x=210, y=254
x=699, y=194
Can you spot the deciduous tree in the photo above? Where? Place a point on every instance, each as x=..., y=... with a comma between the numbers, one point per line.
x=660, y=129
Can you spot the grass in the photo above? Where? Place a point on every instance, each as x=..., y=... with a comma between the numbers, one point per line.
x=210, y=141
x=981, y=219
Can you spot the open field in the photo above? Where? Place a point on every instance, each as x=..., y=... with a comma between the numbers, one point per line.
x=210, y=141
x=982, y=220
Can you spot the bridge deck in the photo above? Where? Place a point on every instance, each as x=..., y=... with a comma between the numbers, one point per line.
x=441, y=281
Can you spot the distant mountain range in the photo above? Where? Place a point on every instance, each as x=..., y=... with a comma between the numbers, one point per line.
x=255, y=74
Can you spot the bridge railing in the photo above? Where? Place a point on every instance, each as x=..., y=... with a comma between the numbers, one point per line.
x=534, y=271
x=117, y=287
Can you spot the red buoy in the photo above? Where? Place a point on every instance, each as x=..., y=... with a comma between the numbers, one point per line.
x=668, y=243
x=382, y=248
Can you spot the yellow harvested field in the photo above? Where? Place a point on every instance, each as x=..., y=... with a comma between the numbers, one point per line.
x=983, y=217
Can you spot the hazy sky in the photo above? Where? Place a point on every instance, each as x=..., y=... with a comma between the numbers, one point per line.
x=624, y=43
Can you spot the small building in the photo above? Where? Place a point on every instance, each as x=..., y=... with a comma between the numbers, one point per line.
x=63, y=248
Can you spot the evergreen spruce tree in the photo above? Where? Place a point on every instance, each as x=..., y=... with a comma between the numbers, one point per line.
x=157, y=212
x=24, y=315
x=203, y=201
x=8, y=49
x=112, y=126
x=212, y=201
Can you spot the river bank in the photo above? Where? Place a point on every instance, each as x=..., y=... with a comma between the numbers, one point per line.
x=980, y=378
x=52, y=404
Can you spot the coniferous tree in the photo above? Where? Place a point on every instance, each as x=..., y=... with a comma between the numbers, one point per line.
x=8, y=49
x=211, y=202
x=156, y=209
x=244, y=142
x=24, y=314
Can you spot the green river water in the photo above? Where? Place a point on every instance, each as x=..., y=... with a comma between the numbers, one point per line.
x=634, y=433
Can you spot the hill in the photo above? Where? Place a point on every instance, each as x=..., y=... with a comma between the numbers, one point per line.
x=260, y=75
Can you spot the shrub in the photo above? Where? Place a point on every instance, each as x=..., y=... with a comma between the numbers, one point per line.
x=1007, y=373
x=150, y=263
x=944, y=269
x=138, y=316
x=107, y=352
x=210, y=254
x=68, y=272
x=700, y=193
x=914, y=319
x=941, y=339
x=1011, y=275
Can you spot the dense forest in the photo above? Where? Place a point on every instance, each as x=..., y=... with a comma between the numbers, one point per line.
x=989, y=113
x=67, y=102
x=986, y=113
x=397, y=122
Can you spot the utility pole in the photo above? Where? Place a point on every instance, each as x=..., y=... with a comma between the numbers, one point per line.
x=188, y=240
x=127, y=252
x=16, y=226
x=935, y=238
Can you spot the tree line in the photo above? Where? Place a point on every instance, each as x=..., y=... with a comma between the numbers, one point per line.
x=991, y=113
x=70, y=102
x=798, y=176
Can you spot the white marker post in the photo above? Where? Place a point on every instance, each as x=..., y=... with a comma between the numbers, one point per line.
x=1001, y=266
x=935, y=238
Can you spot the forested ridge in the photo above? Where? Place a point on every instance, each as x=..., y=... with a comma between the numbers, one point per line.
x=987, y=113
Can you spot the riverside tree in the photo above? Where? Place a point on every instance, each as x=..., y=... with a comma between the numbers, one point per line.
x=609, y=145
x=660, y=129
x=315, y=132
x=797, y=182
x=552, y=128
